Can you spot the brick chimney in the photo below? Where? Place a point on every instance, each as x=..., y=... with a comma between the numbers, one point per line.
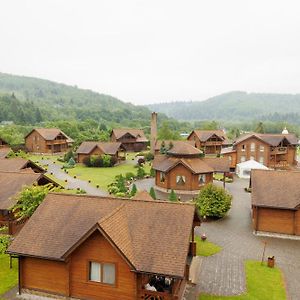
x=153, y=132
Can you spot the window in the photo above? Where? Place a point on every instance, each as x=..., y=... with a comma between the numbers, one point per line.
x=229, y=158
x=261, y=160
x=252, y=147
x=243, y=148
x=243, y=158
x=102, y=272
x=261, y=148
x=251, y=157
x=202, y=179
x=162, y=177
x=180, y=180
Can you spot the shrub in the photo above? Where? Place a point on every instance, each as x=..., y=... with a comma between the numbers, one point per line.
x=113, y=189
x=213, y=201
x=80, y=192
x=140, y=173
x=96, y=161
x=129, y=175
x=71, y=162
x=152, y=172
x=152, y=193
x=68, y=155
x=149, y=156
x=4, y=243
x=173, y=196
x=106, y=160
x=120, y=194
x=141, y=161
x=87, y=161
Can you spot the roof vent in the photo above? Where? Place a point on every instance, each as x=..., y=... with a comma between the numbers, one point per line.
x=285, y=131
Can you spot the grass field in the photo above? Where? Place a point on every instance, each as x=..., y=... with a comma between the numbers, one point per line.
x=263, y=283
x=206, y=248
x=8, y=277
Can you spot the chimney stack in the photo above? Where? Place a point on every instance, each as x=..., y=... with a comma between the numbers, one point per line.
x=153, y=132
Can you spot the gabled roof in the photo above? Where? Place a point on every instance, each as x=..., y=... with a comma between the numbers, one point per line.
x=270, y=139
x=167, y=143
x=278, y=189
x=11, y=184
x=204, y=135
x=17, y=164
x=4, y=151
x=184, y=149
x=165, y=163
x=136, y=133
x=152, y=235
x=49, y=134
x=142, y=195
x=110, y=148
x=219, y=164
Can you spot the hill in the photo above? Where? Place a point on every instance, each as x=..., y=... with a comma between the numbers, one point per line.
x=52, y=101
x=236, y=106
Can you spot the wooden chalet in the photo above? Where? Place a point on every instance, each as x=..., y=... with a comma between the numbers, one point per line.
x=89, y=148
x=132, y=140
x=165, y=144
x=209, y=141
x=183, y=170
x=11, y=183
x=276, y=151
x=276, y=201
x=19, y=164
x=47, y=141
x=109, y=248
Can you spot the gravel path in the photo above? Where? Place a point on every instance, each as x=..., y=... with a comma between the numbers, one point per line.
x=73, y=183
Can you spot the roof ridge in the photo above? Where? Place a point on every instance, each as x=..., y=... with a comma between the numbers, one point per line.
x=113, y=212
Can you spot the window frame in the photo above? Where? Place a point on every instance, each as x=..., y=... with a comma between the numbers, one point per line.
x=252, y=147
x=184, y=180
x=101, y=272
x=204, y=182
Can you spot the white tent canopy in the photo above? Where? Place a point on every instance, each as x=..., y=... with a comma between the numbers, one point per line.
x=243, y=170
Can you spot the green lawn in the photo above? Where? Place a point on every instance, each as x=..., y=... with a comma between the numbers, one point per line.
x=220, y=177
x=206, y=248
x=103, y=176
x=8, y=277
x=263, y=283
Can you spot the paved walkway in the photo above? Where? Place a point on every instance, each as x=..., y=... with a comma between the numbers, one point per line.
x=223, y=273
x=73, y=183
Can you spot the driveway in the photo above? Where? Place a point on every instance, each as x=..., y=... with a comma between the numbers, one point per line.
x=73, y=183
x=223, y=273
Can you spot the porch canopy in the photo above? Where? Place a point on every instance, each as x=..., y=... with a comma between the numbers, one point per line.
x=243, y=170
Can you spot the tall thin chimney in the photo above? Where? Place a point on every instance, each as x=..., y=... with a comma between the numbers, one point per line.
x=153, y=132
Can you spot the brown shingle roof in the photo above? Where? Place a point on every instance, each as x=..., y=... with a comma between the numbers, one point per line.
x=184, y=149
x=49, y=134
x=165, y=163
x=279, y=189
x=227, y=150
x=219, y=164
x=204, y=135
x=110, y=148
x=154, y=234
x=137, y=133
x=142, y=195
x=4, y=151
x=271, y=139
x=17, y=164
x=167, y=143
x=11, y=183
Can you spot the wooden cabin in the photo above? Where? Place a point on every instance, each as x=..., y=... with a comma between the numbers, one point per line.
x=277, y=151
x=161, y=145
x=132, y=140
x=89, y=148
x=209, y=141
x=183, y=170
x=47, y=141
x=11, y=183
x=109, y=248
x=19, y=164
x=275, y=201
x=3, y=143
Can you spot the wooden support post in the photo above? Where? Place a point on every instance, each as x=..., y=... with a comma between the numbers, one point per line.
x=224, y=180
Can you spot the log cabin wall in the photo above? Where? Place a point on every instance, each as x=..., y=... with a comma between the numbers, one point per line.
x=82, y=156
x=36, y=143
x=276, y=220
x=232, y=156
x=97, y=248
x=44, y=275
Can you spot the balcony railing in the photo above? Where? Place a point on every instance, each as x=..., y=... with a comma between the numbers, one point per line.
x=213, y=143
x=151, y=295
x=279, y=150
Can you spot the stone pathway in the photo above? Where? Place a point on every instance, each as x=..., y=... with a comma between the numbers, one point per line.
x=73, y=183
x=223, y=273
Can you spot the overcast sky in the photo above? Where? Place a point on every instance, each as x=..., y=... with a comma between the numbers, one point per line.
x=155, y=51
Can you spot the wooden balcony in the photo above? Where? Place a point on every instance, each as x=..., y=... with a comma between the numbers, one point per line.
x=278, y=150
x=213, y=143
x=151, y=295
x=56, y=142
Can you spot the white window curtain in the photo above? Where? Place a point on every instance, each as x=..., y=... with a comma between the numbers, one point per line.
x=95, y=271
x=109, y=273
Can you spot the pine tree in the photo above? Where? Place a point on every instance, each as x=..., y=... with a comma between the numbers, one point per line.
x=152, y=193
x=133, y=190
x=173, y=196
